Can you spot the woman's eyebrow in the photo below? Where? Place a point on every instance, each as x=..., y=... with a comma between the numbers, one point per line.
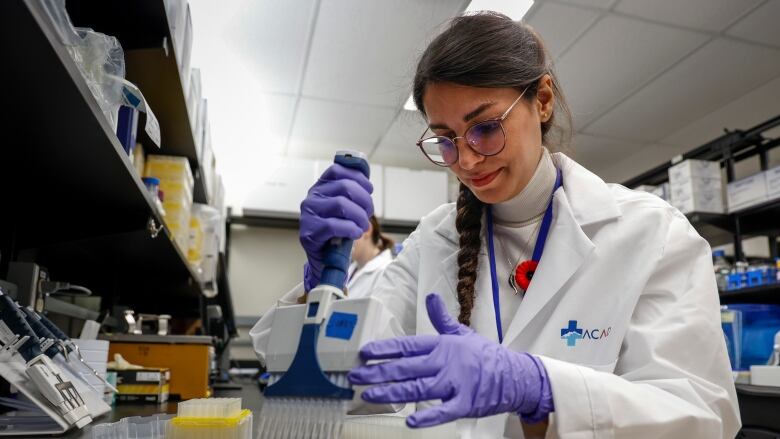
x=470, y=115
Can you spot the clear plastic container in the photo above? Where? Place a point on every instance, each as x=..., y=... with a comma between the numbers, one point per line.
x=152, y=185
x=722, y=269
x=750, y=330
x=136, y=427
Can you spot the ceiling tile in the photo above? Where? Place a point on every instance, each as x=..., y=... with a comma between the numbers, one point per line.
x=597, y=153
x=321, y=127
x=707, y=80
x=398, y=148
x=559, y=24
x=614, y=58
x=272, y=38
x=743, y=113
x=365, y=51
x=601, y=4
x=707, y=15
x=760, y=25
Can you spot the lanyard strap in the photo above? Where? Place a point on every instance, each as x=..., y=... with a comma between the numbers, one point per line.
x=541, y=240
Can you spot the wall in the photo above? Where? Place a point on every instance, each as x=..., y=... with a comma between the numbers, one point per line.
x=265, y=263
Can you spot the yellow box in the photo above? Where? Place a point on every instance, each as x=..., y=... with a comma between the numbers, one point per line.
x=170, y=168
x=188, y=362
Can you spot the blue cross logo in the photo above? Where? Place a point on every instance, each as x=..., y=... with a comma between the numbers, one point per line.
x=571, y=334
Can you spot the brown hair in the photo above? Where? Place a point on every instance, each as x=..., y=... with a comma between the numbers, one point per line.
x=378, y=238
x=487, y=49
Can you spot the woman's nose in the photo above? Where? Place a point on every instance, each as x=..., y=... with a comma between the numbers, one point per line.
x=467, y=157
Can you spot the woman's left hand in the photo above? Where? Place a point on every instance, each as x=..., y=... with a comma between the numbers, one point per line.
x=473, y=376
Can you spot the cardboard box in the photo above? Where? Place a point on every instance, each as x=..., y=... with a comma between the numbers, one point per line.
x=693, y=169
x=747, y=192
x=149, y=384
x=698, y=195
x=772, y=183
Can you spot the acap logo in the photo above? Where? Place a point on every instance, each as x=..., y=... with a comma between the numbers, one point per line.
x=572, y=333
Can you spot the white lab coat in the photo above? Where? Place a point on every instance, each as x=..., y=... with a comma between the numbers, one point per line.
x=630, y=272
x=362, y=281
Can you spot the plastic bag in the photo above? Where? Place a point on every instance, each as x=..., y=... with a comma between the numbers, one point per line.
x=100, y=59
x=211, y=221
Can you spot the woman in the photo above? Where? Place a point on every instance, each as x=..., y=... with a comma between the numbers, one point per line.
x=371, y=253
x=583, y=309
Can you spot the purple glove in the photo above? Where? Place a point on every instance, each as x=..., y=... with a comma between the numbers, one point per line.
x=473, y=376
x=337, y=206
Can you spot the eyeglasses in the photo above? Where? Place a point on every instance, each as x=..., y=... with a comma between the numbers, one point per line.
x=485, y=138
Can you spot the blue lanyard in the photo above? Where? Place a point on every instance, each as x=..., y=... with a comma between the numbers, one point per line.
x=537, y=255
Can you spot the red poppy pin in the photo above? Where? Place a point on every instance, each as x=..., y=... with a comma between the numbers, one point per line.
x=524, y=273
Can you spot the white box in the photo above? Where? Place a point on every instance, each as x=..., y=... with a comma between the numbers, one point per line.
x=747, y=192
x=691, y=169
x=185, y=55
x=176, y=10
x=200, y=127
x=646, y=188
x=662, y=192
x=698, y=195
x=772, y=183
x=193, y=98
x=765, y=376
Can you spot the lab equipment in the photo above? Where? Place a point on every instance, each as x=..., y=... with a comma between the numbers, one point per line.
x=768, y=374
x=722, y=269
x=212, y=418
x=47, y=376
x=135, y=427
x=473, y=376
x=187, y=356
x=338, y=205
x=67, y=343
x=308, y=390
x=391, y=427
x=142, y=384
x=750, y=331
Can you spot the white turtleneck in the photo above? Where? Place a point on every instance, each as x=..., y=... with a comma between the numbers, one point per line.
x=516, y=228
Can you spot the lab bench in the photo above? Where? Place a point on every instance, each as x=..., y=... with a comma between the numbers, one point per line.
x=246, y=389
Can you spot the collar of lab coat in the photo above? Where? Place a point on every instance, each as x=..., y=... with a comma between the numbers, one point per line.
x=377, y=262
x=585, y=199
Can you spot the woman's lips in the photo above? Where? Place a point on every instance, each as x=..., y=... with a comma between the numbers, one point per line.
x=484, y=180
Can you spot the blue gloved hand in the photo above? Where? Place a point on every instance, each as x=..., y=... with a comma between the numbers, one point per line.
x=337, y=206
x=473, y=376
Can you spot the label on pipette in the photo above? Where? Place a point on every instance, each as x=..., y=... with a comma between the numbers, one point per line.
x=341, y=325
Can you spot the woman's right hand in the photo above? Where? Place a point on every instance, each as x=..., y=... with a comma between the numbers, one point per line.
x=337, y=206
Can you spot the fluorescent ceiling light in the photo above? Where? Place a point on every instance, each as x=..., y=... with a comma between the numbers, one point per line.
x=409, y=105
x=514, y=9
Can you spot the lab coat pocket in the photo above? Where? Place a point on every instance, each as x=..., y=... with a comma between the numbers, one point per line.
x=608, y=367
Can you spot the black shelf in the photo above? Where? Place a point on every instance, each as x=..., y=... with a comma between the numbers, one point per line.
x=143, y=30
x=728, y=149
x=72, y=200
x=759, y=406
x=762, y=294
